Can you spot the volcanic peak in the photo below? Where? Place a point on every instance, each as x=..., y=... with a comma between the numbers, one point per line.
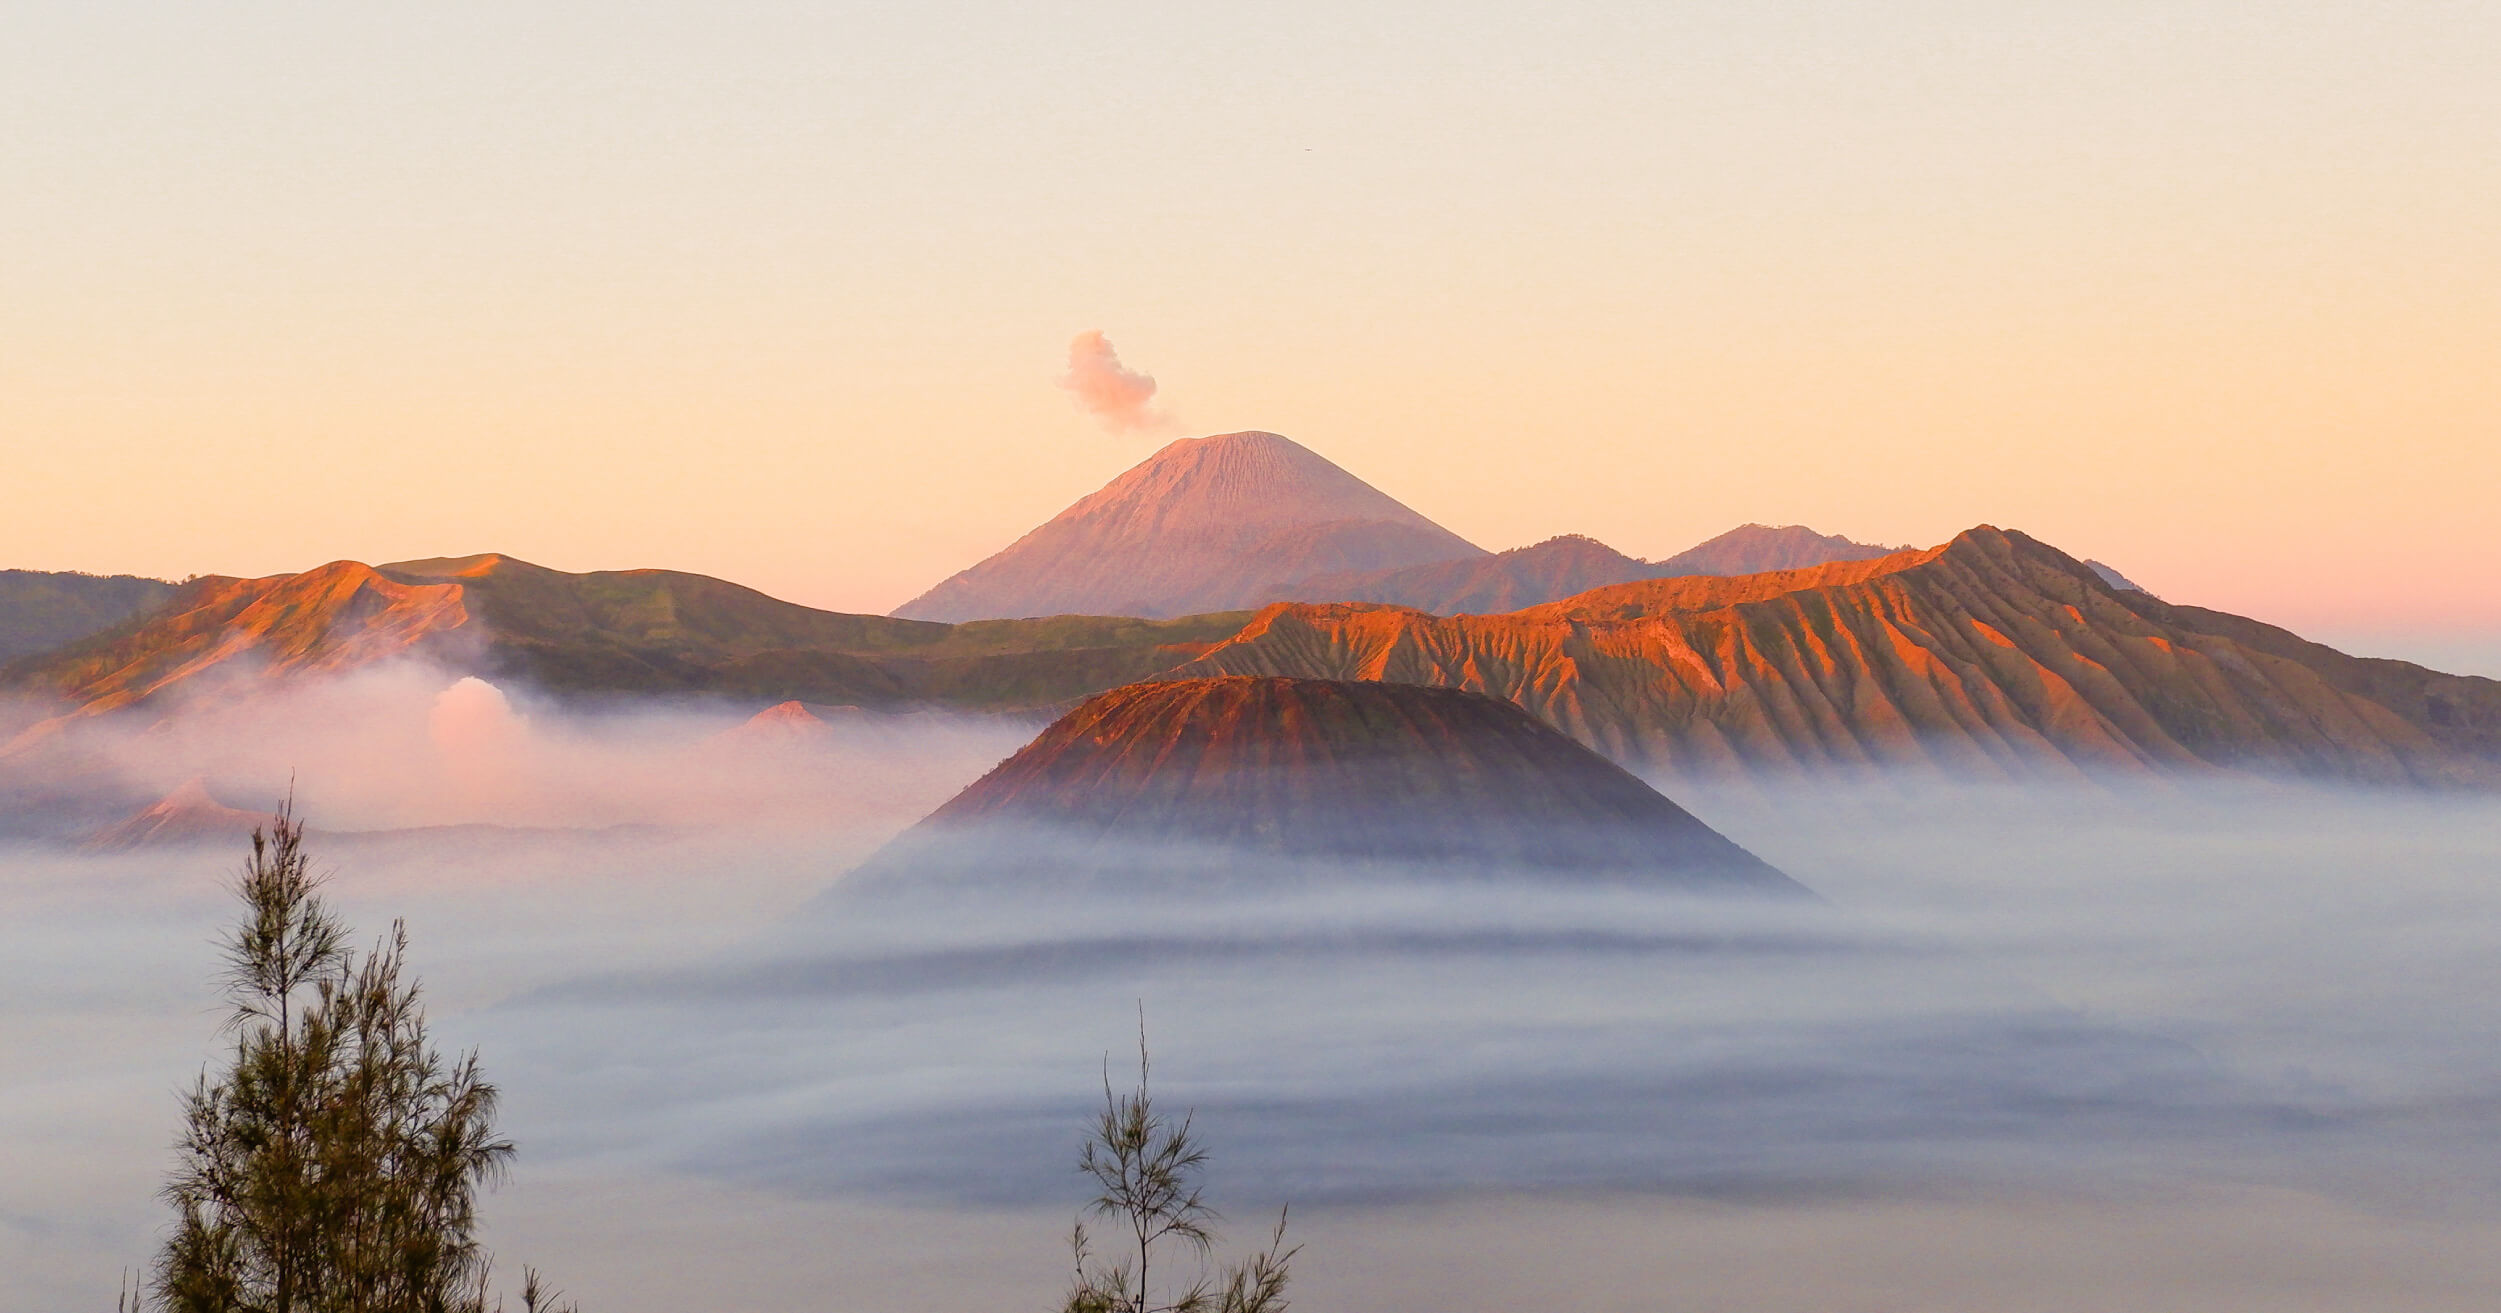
x=1205, y=524
x=189, y=814
x=1248, y=478
x=784, y=724
x=1303, y=771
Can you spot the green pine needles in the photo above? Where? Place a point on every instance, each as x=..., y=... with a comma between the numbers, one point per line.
x=1147, y=1168
x=335, y=1166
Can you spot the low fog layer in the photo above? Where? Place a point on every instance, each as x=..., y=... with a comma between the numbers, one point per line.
x=2236, y=1043
x=408, y=745
x=2031, y=1009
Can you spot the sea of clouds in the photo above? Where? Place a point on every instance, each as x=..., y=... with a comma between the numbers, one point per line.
x=2220, y=1044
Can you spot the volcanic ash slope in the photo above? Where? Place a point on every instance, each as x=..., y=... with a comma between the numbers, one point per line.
x=1247, y=782
x=1206, y=524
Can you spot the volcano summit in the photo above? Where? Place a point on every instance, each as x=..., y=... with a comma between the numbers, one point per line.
x=1206, y=524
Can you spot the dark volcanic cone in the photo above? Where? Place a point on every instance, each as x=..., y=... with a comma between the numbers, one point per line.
x=1301, y=779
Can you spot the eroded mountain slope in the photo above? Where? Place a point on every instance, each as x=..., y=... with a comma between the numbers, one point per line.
x=607, y=632
x=1993, y=654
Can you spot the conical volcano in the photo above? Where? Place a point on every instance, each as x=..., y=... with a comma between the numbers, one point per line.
x=190, y=814
x=1206, y=524
x=1304, y=780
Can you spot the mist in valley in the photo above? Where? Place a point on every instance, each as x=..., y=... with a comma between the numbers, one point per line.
x=2074, y=1048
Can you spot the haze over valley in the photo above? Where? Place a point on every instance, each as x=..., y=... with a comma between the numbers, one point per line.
x=1787, y=895
x=1258, y=659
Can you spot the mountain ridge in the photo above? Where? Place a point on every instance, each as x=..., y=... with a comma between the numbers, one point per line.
x=1758, y=548
x=601, y=632
x=1505, y=581
x=44, y=609
x=1992, y=654
x=1567, y=565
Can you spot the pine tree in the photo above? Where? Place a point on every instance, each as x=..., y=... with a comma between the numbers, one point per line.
x=1147, y=1168
x=334, y=1166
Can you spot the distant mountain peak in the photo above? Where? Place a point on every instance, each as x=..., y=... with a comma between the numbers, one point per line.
x=2114, y=578
x=455, y=567
x=1507, y=581
x=792, y=725
x=189, y=814
x=1205, y=524
x=1567, y=565
x=793, y=712
x=1756, y=548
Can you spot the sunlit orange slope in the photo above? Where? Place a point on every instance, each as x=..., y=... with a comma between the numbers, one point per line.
x=611, y=632
x=1180, y=782
x=338, y=617
x=1992, y=654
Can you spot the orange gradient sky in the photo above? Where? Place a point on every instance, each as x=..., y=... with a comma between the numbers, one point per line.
x=780, y=292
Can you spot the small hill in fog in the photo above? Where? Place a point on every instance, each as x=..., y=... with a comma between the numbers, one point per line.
x=1318, y=775
x=1206, y=524
x=188, y=815
x=789, y=722
x=787, y=727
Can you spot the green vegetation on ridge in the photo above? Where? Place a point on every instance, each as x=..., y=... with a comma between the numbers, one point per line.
x=43, y=609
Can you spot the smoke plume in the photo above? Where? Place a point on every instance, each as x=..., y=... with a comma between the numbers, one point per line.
x=1112, y=392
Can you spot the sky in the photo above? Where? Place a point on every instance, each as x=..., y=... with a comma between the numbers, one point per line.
x=783, y=293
